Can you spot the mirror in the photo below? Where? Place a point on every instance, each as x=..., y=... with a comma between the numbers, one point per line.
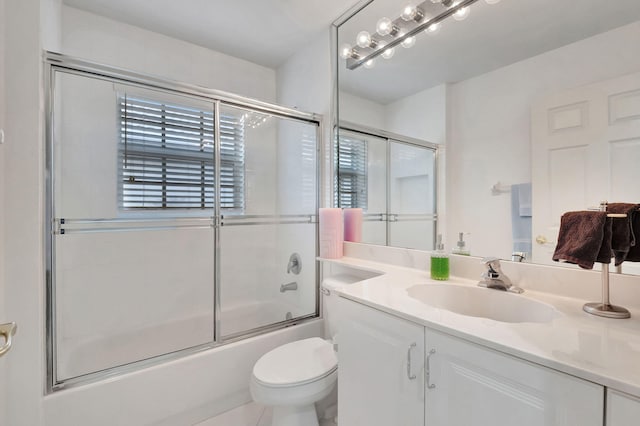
x=536, y=99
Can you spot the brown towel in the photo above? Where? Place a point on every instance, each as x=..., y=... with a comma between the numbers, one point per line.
x=623, y=235
x=584, y=238
x=629, y=249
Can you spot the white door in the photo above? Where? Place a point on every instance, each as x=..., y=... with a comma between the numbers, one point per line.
x=622, y=409
x=585, y=149
x=380, y=358
x=472, y=385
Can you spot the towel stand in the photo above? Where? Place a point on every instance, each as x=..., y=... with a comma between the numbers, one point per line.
x=605, y=308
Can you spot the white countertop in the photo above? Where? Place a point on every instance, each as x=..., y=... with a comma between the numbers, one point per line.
x=602, y=350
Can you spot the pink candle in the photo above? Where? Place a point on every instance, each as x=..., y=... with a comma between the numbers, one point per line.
x=353, y=225
x=331, y=233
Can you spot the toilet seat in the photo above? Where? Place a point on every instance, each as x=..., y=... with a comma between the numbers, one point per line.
x=296, y=363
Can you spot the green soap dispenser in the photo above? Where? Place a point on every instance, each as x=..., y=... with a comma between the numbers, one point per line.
x=460, y=246
x=439, y=262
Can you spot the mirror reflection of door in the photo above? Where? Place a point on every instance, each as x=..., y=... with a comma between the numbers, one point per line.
x=586, y=149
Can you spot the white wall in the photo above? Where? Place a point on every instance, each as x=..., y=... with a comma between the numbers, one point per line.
x=23, y=212
x=304, y=82
x=103, y=40
x=421, y=116
x=490, y=129
x=3, y=317
x=362, y=111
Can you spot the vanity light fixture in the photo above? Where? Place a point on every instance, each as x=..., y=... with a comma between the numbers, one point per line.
x=414, y=18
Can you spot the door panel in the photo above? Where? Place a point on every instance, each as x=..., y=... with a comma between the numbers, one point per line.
x=498, y=390
x=578, y=136
x=381, y=380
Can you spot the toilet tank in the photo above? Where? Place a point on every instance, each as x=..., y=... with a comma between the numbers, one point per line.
x=330, y=308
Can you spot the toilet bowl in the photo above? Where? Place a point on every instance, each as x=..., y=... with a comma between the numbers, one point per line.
x=292, y=378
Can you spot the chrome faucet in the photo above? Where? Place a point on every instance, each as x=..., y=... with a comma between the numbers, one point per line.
x=495, y=278
x=288, y=287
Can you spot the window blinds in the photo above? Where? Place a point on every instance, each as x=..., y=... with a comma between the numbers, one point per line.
x=166, y=157
x=351, y=180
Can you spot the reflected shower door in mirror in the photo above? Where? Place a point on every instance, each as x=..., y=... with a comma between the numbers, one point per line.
x=393, y=181
x=412, y=196
x=510, y=101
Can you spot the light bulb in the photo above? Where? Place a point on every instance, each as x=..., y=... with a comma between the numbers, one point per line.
x=436, y=1
x=408, y=42
x=345, y=51
x=363, y=39
x=384, y=26
x=386, y=53
x=461, y=14
x=433, y=28
x=370, y=63
x=492, y=1
x=409, y=12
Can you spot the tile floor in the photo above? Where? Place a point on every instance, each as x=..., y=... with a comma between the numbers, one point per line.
x=250, y=414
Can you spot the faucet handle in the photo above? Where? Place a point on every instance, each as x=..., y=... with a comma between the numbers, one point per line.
x=490, y=260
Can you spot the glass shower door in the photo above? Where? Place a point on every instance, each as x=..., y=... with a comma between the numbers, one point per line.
x=267, y=244
x=132, y=242
x=412, y=196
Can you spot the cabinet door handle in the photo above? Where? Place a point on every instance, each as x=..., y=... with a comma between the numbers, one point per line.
x=7, y=331
x=409, y=375
x=428, y=370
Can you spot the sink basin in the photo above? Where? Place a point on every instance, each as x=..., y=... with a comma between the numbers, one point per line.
x=482, y=302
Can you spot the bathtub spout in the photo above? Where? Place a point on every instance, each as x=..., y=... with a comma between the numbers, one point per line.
x=288, y=287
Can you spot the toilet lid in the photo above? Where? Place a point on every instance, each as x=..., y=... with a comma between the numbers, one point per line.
x=296, y=363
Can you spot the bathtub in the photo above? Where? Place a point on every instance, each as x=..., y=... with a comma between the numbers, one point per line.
x=98, y=353
x=179, y=392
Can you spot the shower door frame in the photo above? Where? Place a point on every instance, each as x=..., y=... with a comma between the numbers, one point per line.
x=55, y=62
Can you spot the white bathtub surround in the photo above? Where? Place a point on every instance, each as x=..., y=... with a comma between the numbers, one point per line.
x=600, y=350
x=182, y=392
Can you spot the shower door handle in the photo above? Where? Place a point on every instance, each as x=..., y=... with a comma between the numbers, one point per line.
x=7, y=331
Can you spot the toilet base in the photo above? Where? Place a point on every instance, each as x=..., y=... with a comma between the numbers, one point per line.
x=295, y=416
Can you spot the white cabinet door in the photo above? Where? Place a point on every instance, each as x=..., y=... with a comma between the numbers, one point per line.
x=380, y=369
x=622, y=410
x=481, y=387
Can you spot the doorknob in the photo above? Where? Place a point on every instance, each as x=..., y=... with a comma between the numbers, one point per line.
x=7, y=331
x=541, y=239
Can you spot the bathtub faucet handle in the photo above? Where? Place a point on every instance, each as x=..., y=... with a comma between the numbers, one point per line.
x=295, y=264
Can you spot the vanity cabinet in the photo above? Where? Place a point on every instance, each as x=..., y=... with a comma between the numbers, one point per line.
x=381, y=366
x=622, y=409
x=395, y=372
x=469, y=384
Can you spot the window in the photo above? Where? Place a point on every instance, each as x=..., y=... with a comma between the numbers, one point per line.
x=350, y=186
x=166, y=157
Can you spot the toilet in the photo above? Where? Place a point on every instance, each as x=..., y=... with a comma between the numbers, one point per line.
x=293, y=377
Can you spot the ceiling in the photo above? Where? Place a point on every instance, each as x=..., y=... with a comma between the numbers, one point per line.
x=265, y=32
x=492, y=37
x=268, y=32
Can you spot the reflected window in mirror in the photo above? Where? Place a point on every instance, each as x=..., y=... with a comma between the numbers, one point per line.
x=350, y=183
